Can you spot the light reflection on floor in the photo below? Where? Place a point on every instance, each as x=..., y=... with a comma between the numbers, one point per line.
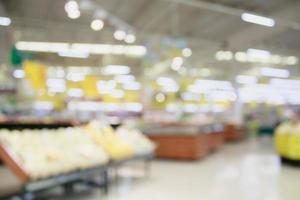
x=242, y=171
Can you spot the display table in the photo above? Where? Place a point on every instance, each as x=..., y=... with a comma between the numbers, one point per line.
x=185, y=142
x=233, y=132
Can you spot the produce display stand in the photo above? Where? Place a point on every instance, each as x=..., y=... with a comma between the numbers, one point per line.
x=30, y=187
x=185, y=142
x=216, y=136
x=233, y=132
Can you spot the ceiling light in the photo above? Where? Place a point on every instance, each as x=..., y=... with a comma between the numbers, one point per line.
x=224, y=55
x=97, y=24
x=241, y=56
x=5, y=21
x=177, y=63
x=19, y=73
x=42, y=46
x=274, y=72
x=55, y=47
x=256, y=19
x=119, y=35
x=130, y=38
x=275, y=59
x=258, y=53
x=160, y=97
x=74, y=14
x=291, y=60
x=71, y=6
x=73, y=54
x=115, y=69
x=186, y=52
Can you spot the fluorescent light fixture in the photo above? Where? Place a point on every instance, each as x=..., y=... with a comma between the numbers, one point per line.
x=19, y=73
x=97, y=49
x=52, y=47
x=275, y=72
x=97, y=24
x=135, y=50
x=275, y=59
x=258, y=53
x=187, y=52
x=224, y=55
x=5, y=21
x=115, y=69
x=291, y=60
x=73, y=54
x=244, y=79
x=256, y=19
x=241, y=56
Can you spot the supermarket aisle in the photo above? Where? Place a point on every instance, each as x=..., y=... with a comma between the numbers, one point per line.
x=244, y=171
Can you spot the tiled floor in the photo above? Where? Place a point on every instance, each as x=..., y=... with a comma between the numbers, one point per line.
x=242, y=171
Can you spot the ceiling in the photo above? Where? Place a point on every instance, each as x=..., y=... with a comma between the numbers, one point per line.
x=207, y=26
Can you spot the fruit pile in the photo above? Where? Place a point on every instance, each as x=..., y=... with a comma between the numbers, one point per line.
x=45, y=153
x=287, y=140
x=105, y=136
x=140, y=143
